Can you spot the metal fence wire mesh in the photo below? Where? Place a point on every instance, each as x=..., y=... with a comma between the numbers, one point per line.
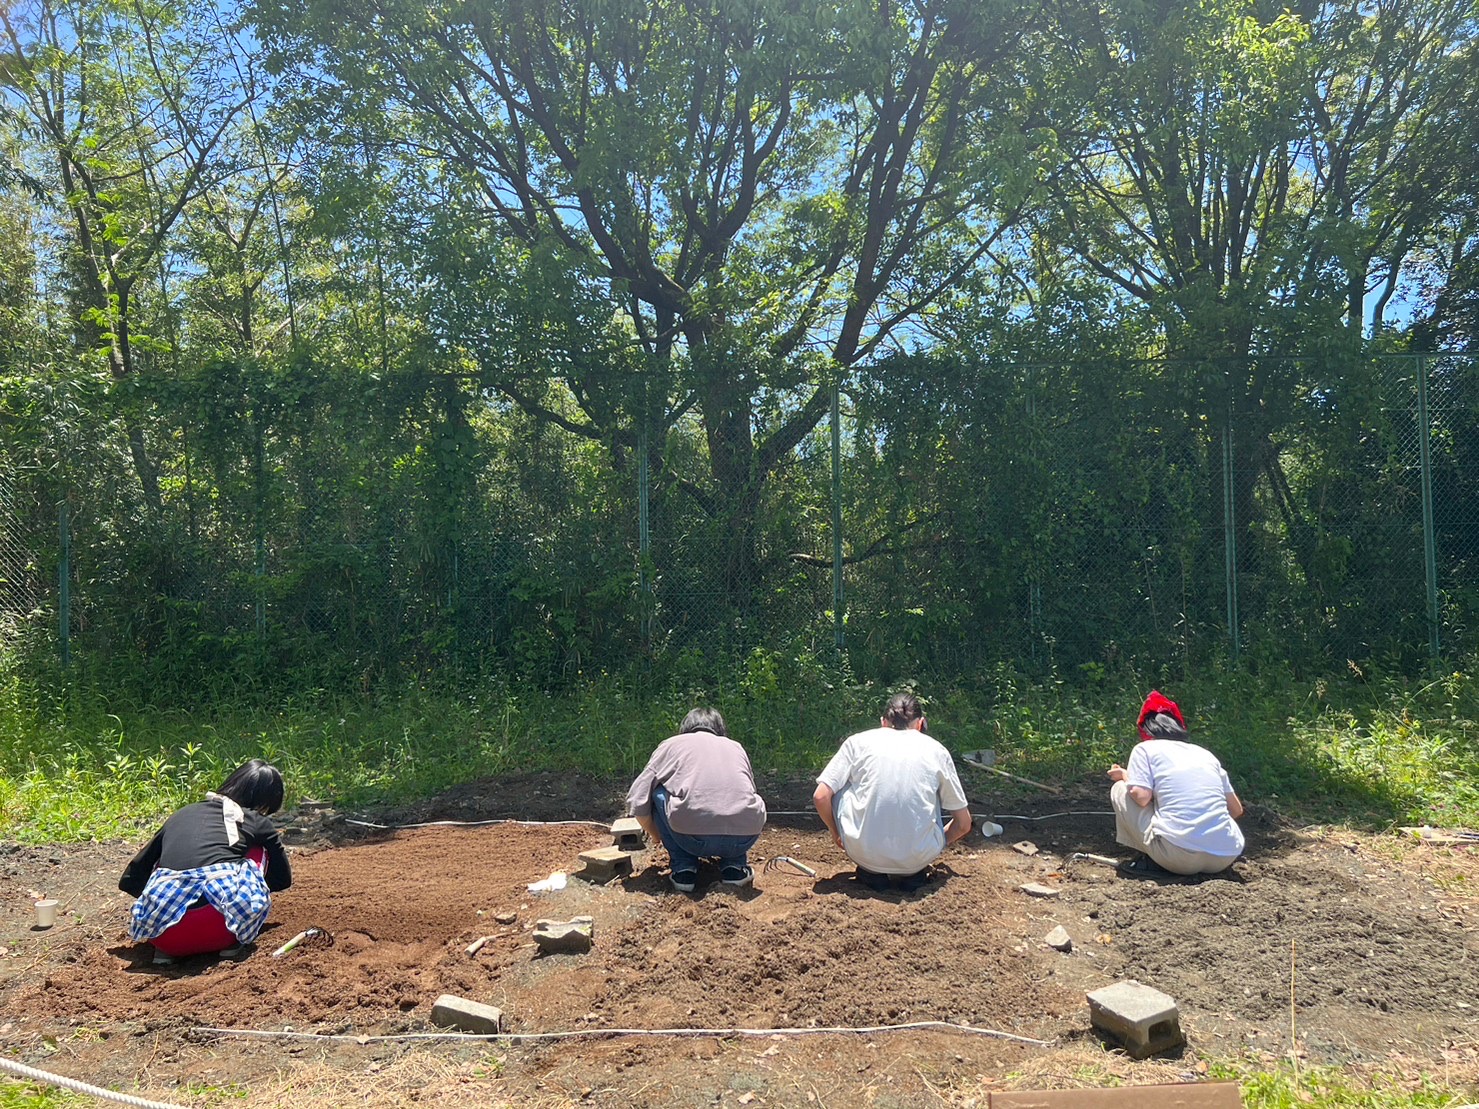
x=1073, y=515
x=18, y=585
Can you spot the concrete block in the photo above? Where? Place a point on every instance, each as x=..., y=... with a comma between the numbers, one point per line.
x=572, y=937
x=602, y=864
x=451, y=1011
x=627, y=834
x=1037, y=889
x=1145, y=1020
x=1200, y=1095
x=1058, y=939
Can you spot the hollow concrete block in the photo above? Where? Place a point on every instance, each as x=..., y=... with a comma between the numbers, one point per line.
x=627, y=834
x=604, y=863
x=1145, y=1020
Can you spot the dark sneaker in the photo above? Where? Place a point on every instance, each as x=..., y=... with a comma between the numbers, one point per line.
x=909, y=883
x=684, y=880
x=741, y=877
x=873, y=880
x=1141, y=866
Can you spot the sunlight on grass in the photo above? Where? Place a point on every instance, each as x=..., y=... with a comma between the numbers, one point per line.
x=1361, y=750
x=1280, y=1087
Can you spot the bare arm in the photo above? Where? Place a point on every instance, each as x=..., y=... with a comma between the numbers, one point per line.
x=1141, y=795
x=959, y=826
x=1234, y=806
x=822, y=799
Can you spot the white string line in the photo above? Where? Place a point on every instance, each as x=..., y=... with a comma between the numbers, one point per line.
x=474, y=823
x=598, y=1033
x=606, y=824
x=78, y=1086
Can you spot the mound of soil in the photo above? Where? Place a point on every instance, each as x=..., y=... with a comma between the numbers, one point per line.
x=1383, y=960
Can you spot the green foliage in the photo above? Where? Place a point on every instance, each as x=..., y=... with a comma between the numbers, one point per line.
x=1375, y=751
x=15, y=1094
x=1282, y=1086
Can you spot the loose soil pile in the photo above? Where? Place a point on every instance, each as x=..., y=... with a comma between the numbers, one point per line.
x=1384, y=959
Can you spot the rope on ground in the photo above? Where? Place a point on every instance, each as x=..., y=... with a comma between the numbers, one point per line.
x=599, y=1033
x=1054, y=815
x=607, y=824
x=473, y=823
x=78, y=1086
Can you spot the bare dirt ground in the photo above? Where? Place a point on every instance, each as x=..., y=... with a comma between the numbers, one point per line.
x=1380, y=935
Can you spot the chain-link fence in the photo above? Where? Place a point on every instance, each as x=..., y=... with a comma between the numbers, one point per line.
x=1074, y=515
x=18, y=584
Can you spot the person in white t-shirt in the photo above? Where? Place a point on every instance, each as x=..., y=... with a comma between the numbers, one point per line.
x=1174, y=802
x=882, y=796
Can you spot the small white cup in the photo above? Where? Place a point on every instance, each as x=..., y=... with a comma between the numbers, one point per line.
x=45, y=913
x=991, y=828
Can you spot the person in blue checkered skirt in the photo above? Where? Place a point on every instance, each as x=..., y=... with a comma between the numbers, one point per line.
x=204, y=882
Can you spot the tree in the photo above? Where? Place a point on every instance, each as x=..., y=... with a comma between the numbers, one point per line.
x=766, y=193
x=126, y=106
x=1252, y=175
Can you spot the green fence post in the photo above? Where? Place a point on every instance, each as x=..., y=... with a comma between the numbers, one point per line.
x=259, y=568
x=1230, y=538
x=1430, y=543
x=64, y=583
x=838, y=634
x=644, y=533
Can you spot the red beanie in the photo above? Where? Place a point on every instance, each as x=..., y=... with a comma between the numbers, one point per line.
x=1157, y=702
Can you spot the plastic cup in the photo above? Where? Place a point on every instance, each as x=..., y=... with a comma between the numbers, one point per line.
x=991, y=828
x=45, y=913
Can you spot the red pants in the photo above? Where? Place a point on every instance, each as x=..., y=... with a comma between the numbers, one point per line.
x=202, y=930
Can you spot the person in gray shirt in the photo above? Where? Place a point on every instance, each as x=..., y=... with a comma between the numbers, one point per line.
x=697, y=795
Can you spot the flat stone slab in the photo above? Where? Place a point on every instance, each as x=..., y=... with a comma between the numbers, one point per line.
x=1145, y=1020
x=451, y=1011
x=565, y=937
x=1037, y=889
x=602, y=864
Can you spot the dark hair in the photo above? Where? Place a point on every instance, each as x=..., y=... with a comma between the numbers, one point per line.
x=255, y=785
x=902, y=710
x=703, y=720
x=1163, y=725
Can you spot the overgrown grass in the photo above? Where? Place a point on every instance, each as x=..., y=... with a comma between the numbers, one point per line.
x=1283, y=1087
x=1355, y=747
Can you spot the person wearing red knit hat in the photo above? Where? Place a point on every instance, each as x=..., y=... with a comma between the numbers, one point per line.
x=1173, y=802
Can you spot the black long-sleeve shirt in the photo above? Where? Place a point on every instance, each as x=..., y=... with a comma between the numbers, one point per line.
x=196, y=836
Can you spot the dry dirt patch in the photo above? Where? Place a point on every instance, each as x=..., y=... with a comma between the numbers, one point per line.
x=1384, y=961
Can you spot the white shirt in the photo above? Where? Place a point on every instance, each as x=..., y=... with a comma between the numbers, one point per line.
x=888, y=786
x=1190, y=790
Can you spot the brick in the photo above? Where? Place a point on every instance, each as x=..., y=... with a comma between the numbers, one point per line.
x=602, y=864
x=1145, y=1020
x=451, y=1011
x=627, y=834
x=1200, y=1095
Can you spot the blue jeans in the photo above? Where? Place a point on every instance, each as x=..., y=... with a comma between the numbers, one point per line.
x=685, y=850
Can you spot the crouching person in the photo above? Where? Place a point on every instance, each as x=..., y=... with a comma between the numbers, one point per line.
x=204, y=882
x=697, y=795
x=1173, y=802
x=892, y=799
